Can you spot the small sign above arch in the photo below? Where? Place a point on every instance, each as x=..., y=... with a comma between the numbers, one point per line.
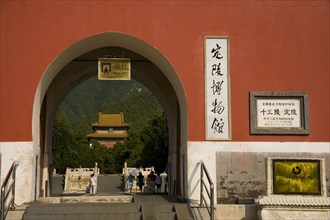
x=114, y=69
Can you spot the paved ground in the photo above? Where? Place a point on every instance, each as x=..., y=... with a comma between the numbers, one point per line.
x=107, y=185
x=154, y=199
x=110, y=189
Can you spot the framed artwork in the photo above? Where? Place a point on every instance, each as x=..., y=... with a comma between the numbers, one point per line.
x=279, y=113
x=296, y=176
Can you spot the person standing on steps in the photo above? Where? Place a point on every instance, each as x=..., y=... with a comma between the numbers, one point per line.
x=93, y=184
x=158, y=182
x=140, y=180
x=165, y=184
x=152, y=178
x=130, y=179
x=164, y=181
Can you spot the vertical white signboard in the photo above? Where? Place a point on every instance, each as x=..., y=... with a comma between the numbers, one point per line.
x=217, y=103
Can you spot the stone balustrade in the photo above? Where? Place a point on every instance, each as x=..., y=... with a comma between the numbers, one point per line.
x=77, y=180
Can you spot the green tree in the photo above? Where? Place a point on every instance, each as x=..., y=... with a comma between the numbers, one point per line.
x=64, y=145
x=74, y=151
x=128, y=151
x=103, y=156
x=145, y=147
x=155, y=139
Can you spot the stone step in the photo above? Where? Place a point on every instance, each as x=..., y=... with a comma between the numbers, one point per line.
x=83, y=208
x=183, y=211
x=151, y=211
x=151, y=207
x=14, y=214
x=84, y=216
x=165, y=216
x=200, y=213
x=87, y=199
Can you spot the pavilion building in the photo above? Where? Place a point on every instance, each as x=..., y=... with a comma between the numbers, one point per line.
x=110, y=129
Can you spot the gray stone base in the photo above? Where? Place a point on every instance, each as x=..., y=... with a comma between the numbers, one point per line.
x=294, y=214
x=294, y=207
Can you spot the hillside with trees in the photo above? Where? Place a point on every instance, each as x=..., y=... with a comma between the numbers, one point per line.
x=148, y=134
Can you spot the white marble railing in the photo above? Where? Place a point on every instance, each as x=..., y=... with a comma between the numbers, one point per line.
x=294, y=201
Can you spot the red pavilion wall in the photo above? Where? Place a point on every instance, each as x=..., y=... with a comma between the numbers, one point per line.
x=274, y=46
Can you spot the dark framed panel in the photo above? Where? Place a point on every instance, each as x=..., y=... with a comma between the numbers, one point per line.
x=296, y=176
x=279, y=113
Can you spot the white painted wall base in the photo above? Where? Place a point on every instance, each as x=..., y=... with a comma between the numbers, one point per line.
x=23, y=153
x=206, y=151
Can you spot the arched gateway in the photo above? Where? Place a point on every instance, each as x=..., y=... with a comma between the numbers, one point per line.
x=274, y=63
x=78, y=63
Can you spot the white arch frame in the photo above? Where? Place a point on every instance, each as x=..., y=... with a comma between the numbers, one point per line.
x=98, y=41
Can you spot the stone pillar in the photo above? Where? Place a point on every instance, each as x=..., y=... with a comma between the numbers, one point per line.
x=125, y=169
x=96, y=176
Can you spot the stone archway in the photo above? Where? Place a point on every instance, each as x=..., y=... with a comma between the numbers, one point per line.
x=66, y=72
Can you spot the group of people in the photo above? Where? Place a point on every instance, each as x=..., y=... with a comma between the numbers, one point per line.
x=154, y=182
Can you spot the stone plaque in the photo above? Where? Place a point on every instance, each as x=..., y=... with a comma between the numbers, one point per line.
x=279, y=113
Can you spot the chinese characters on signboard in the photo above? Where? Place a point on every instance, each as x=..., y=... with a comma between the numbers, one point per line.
x=114, y=69
x=279, y=113
x=217, y=89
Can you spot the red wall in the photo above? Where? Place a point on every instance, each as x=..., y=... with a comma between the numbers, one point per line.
x=274, y=46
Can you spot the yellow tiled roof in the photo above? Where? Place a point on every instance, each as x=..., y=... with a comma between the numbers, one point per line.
x=110, y=120
x=107, y=135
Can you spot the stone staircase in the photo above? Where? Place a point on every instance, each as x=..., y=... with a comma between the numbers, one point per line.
x=144, y=207
x=86, y=211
